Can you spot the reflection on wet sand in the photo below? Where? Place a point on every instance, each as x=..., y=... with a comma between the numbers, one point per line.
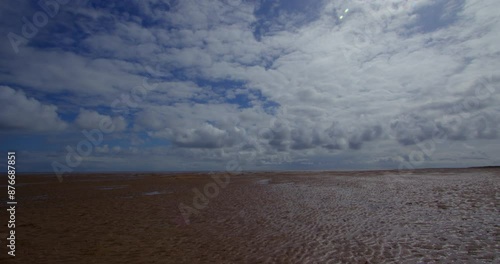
x=328, y=217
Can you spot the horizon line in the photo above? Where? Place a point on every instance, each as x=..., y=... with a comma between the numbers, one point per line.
x=252, y=171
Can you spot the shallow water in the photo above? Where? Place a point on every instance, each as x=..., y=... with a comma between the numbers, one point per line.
x=108, y=188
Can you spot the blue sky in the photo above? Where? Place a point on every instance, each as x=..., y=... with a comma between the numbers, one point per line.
x=194, y=85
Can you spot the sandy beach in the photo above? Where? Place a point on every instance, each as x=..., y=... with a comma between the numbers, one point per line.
x=423, y=216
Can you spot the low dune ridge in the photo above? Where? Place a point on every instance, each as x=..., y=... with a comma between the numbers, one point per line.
x=422, y=216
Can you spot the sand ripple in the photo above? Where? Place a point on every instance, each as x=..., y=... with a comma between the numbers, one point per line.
x=369, y=217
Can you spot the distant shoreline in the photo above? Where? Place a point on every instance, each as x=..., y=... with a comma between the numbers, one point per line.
x=145, y=173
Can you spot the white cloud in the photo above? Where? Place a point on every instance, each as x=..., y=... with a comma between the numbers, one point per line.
x=18, y=111
x=106, y=149
x=89, y=119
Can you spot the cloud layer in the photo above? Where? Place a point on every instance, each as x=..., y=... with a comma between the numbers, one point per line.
x=332, y=84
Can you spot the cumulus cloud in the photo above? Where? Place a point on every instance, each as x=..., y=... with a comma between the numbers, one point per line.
x=18, y=111
x=206, y=136
x=106, y=149
x=89, y=119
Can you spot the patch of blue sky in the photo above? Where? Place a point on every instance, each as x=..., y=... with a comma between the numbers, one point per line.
x=151, y=142
x=270, y=12
x=132, y=10
x=232, y=92
x=27, y=142
x=440, y=14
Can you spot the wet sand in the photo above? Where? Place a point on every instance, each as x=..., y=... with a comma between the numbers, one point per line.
x=424, y=216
